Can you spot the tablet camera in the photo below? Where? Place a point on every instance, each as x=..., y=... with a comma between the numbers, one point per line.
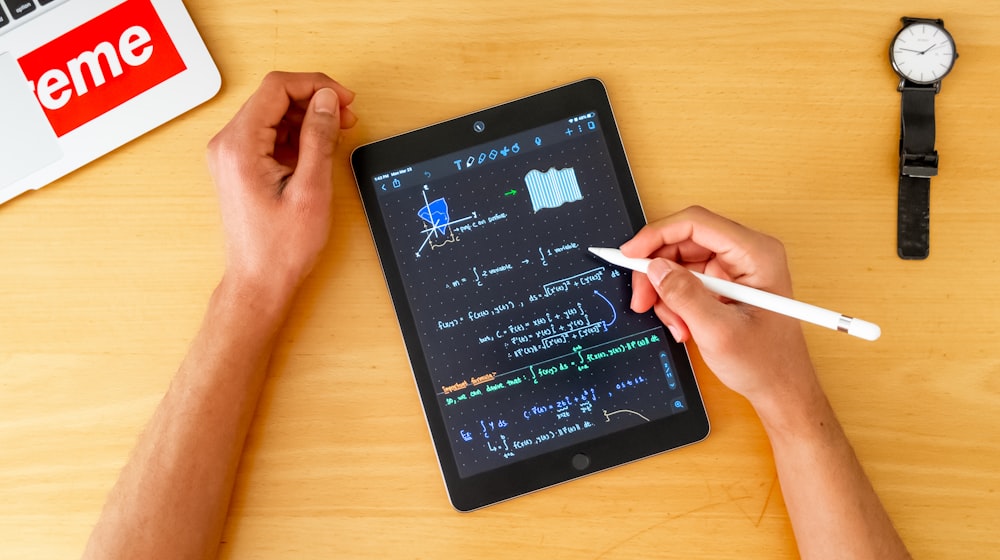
x=479, y=126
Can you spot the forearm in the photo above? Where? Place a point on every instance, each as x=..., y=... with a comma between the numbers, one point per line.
x=834, y=510
x=171, y=499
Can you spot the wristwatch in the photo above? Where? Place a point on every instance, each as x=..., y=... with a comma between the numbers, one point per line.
x=922, y=53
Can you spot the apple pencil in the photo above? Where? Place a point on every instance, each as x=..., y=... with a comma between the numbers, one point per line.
x=761, y=299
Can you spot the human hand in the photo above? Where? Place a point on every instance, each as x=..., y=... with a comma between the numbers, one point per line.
x=273, y=169
x=760, y=354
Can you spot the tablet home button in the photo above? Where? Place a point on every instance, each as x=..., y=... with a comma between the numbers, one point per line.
x=580, y=461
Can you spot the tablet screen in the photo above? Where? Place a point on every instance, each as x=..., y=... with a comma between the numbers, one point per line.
x=530, y=366
x=528, y=339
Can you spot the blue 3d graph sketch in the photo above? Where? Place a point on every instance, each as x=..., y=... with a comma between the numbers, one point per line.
x=438, y=221
x=553, y=188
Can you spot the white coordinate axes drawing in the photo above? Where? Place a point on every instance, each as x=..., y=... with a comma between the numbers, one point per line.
x=438, y=231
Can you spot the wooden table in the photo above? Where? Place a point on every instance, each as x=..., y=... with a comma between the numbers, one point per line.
x=781, y=115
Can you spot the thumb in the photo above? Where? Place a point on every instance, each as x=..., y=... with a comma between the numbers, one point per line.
x=318, y=138
x=688, y=299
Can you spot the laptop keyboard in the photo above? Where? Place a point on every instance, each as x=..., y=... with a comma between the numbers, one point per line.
x=16, y=12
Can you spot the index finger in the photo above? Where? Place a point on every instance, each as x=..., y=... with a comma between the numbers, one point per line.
x=697, y=225
x=722, y=245
x=279, y=90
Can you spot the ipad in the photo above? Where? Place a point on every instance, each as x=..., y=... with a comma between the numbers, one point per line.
x=530, y=367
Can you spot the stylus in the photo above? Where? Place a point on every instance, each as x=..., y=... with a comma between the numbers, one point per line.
x=761, y=299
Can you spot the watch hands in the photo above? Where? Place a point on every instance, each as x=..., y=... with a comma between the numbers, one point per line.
x=923, y=52
x=932, y=47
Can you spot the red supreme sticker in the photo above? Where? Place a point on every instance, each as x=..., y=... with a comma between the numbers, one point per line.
x=101, y=64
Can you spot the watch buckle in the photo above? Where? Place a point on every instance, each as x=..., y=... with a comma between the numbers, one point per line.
x=905, y=84
x=919, y=165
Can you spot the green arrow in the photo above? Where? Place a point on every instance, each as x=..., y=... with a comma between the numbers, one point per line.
x=511, y=192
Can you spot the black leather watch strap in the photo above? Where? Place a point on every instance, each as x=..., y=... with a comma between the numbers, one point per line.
x=918, y=162
x=913, y=218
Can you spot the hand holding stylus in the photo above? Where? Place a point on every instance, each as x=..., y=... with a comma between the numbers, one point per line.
x=752, y=350
x=763, y=356
x=759, y=298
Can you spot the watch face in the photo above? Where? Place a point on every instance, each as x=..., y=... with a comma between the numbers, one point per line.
x=922, y=52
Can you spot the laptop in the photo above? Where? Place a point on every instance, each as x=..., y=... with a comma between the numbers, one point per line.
x=79, y=78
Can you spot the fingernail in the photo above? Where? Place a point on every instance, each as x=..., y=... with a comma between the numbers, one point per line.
x=657, y=271
x=349, y=118
x=673, y=333
x=326, y=101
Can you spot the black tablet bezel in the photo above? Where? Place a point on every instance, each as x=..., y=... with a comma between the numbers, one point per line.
x=564, y=463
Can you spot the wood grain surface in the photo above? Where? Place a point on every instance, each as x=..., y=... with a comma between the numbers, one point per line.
x=781, y=115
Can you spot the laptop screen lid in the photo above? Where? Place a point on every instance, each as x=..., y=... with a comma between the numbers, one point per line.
x=88, y=76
